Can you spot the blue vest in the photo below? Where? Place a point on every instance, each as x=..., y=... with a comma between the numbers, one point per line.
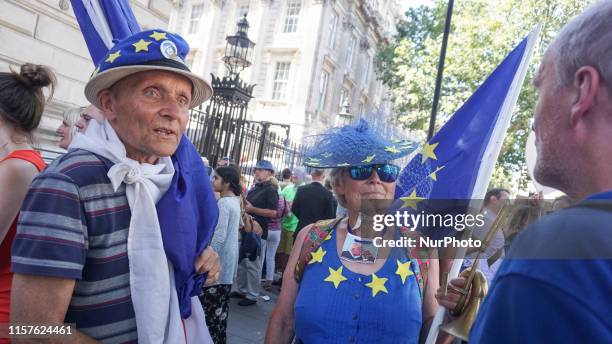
x=353, y=309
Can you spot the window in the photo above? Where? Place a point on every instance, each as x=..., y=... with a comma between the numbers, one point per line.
x=322, y=90
x=292, y=15
x=196, y=13
x=343, y=98
x=367, y=70
x=331, y=30
x=281, y=78
x=349, y=52
x=241, y=11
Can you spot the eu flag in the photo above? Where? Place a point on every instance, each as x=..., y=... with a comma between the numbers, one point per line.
x=448, y=165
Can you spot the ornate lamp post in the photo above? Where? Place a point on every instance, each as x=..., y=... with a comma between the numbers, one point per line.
x=238, y=49
x=219, y=130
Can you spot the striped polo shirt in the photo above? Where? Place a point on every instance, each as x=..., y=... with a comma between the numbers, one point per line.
x=74, y=225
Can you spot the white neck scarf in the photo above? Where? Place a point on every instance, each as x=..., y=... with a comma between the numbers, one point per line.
x=154, y=297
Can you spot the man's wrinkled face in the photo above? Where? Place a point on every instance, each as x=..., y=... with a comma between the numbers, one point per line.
x=149, y=111
x=551, y=125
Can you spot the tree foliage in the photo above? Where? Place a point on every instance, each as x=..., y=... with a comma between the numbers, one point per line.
x=483, y=32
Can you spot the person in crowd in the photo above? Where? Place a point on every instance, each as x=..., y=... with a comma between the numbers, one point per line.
x=89, y=113
x=521, y=216
x=215, y=298
x=97, y=226
x=554, y=285
x=68, y=128
x=561, y=202
x=261, y=203
x=286, y=175
x=313, y=202
x=289, y=223
x=274, y=235
x=22, y=103
x=225, y=161
x=489, y=262
x=327, y=298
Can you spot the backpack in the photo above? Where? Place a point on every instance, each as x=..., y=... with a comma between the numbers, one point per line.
x=321, y=231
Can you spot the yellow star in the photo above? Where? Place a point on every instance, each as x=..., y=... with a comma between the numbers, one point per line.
x=327, y=237
x=377, y=285
x=335, y=277
x=96, y=71
x=369, y=158
x=428, y=152
x=112, y=57
x=344, y=164
x=411, y=200
x=317, y=256
x=403, y=270
x=314, y=160
x=158, y=35
x=326, y=155
x=142, y=45
x=392, y=150
x=433, y=174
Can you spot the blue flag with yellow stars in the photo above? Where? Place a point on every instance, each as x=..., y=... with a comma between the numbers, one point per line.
x=448, y=165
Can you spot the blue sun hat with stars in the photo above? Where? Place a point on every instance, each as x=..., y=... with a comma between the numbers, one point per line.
x=144, y=51
x=354, y=145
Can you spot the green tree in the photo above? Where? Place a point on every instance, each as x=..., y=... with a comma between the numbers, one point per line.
x=483, y=32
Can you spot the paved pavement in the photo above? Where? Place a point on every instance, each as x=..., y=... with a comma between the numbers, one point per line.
x=247, y=325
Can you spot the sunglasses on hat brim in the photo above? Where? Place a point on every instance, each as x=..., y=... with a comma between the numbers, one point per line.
x=387, y=173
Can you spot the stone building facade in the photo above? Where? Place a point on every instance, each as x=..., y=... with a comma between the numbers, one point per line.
x=310, y=58
x=46, y=32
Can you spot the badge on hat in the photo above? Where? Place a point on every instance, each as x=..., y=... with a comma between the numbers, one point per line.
x=168, y=49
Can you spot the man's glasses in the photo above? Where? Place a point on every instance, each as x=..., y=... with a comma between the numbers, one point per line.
x=386, y=172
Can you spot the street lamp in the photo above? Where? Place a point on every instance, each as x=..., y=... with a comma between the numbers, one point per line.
x=238, y=49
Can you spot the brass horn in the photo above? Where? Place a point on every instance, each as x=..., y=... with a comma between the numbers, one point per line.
x=476, y=286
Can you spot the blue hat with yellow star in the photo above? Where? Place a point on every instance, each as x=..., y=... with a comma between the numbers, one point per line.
x=354, y=145
x=144, y=51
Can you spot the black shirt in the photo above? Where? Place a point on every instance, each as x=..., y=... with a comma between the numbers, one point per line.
x=263, y=195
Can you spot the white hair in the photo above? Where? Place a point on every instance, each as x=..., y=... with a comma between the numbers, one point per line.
x=585, y=41
x=71, y=116
x=335, y=179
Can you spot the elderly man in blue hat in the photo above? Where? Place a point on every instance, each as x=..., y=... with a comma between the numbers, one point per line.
x=92, y=248
x=262, y=201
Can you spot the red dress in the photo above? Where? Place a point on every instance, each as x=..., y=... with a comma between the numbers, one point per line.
x=6, y=276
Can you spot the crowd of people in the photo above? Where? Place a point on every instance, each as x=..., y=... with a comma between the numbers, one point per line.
x=132, y=237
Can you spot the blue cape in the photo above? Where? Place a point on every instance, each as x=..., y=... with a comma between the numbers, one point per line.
x=188, y=214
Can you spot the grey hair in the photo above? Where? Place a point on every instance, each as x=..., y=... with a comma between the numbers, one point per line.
x=335, y=178
x=585, y=41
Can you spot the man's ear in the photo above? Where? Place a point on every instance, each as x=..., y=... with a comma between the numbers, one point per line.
x=106, y=104
x=587, y=83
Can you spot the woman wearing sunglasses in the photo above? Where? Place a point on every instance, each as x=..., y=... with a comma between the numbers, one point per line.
x=346, y=291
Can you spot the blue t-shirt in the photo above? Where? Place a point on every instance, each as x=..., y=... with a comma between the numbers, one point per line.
x=555, y=285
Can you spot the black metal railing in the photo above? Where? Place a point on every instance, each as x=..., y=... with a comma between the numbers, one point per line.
x=220, y=131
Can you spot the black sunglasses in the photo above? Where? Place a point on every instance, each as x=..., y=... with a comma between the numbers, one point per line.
x=386, y=172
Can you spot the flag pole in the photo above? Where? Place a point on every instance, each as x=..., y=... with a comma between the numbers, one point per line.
x=436, y=98
x=490, y=158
